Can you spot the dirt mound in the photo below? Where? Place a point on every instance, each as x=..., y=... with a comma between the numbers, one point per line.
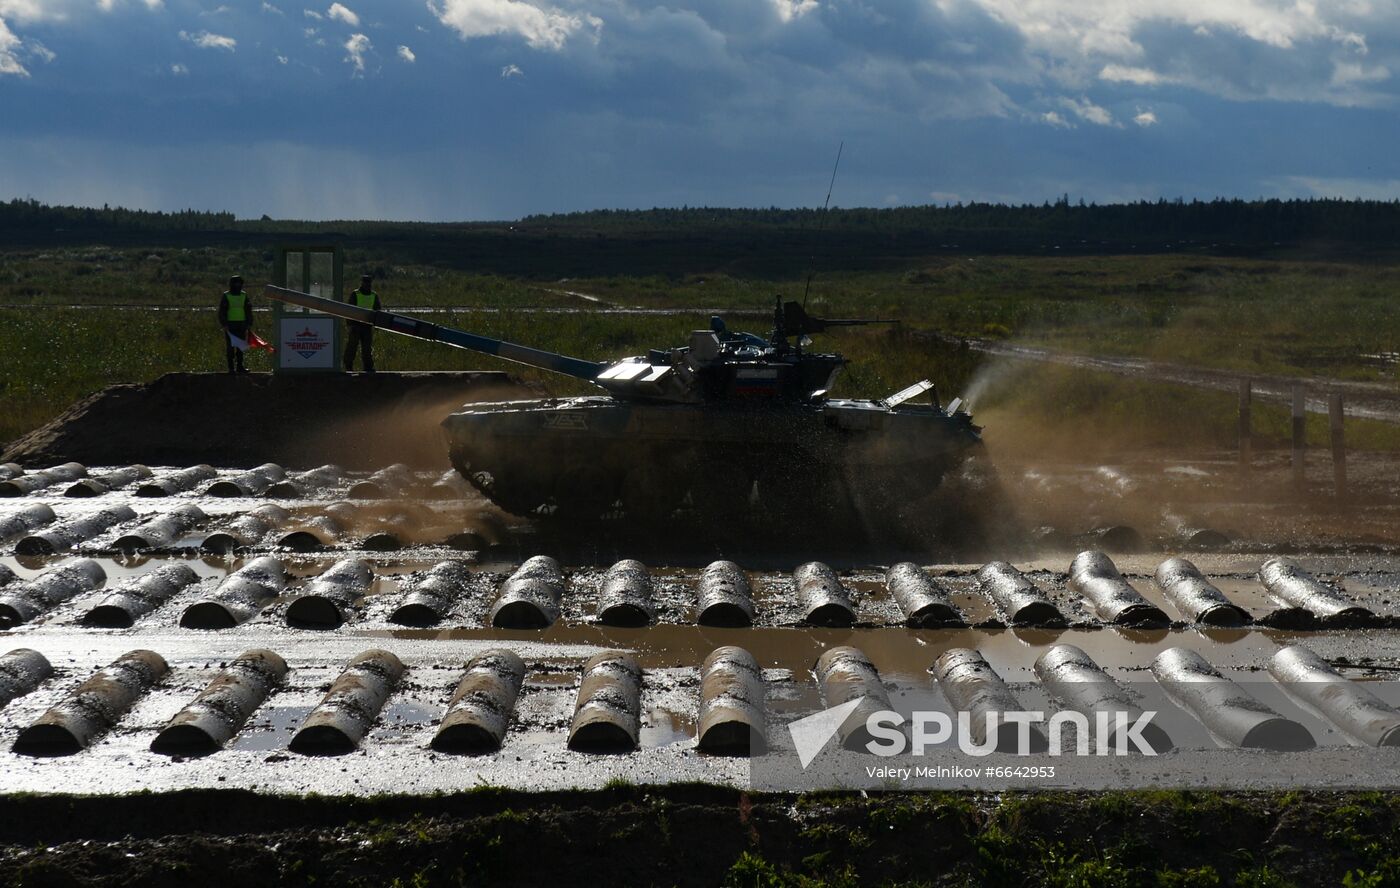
x=359, y=421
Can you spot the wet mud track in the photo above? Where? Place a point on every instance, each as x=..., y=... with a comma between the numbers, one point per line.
x=366, y=685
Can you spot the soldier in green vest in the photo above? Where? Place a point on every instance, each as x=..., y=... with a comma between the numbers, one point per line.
x=236, y=319
x=357, y=334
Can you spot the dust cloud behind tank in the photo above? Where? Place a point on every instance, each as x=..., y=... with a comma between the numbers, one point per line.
x=735, y=430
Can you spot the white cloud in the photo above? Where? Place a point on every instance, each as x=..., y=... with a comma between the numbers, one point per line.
x=9, y=48
x=178, y=69
x=1054, y=118
x=355, y=49
x=1145, y=118
x=282, y=60
x=268, y=7
x=40, y=51
x=407, y=55
x=541, y=28
x=793, y=9
x=510, y=71
x=1089, y=112
x=312, y=14
x=341, y=13
x=206, y=40
x=1116, y=73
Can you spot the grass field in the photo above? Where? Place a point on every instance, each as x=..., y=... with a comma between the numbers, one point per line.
x=1304, y=318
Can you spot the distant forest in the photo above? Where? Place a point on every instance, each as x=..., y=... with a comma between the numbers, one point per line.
x=1241, y=221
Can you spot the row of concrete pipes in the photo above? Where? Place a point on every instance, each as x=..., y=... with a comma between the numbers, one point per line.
x=382, y=530
x=396, y=481
x=733, y=717
x=607, y=712
x=532, y=597
x=1231, y=714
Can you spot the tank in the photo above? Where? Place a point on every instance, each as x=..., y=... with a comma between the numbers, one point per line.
x=725, y=426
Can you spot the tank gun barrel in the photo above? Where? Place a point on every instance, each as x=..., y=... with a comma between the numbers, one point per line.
x=419, y=329
x=793, y=320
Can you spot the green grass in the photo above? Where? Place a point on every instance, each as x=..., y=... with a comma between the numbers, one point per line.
x=1303, y=318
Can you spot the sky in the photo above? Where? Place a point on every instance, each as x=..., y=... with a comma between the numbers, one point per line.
x=444, y=110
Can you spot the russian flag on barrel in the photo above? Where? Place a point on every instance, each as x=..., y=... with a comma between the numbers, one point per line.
x=756, y=381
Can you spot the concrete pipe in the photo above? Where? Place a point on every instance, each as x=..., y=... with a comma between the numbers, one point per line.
x=626, y=596
x=726, y=598
x=1094, y=576
x=342, y=718
x=100, y=484
x=821, y=598
x=246, y=530
x=1016, y=598
x=733, y=708
x=1360, y=714
x=10, y=470
x=608, y=713
x=93, y=707
x=25, y=521
x=65, y=535
x=239, y=597
x=7, y=576
x=1228, y=711
x=177, y=482
x=32, y=482
x=1195, y=597
x=451, y=486
x=300, y=484
x=320, y=531
x=212, y=719
x=140, y=596
x=389, y=482
x=1072, y=677
x=398, y=528
x=1290, y=585
x=846, y=674
x=530, y=598
x=922, y=599
x=432, y=597
x=327, y=601
x=253, y=482
x=22, y=602
x=164, y=531
x=21, y=672
x=1203, y=539
x=480, y=709
x=974, y=687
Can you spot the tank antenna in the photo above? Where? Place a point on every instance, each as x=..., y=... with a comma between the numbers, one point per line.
x=811, y=272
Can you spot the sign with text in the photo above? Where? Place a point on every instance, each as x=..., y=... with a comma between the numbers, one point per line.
x=306, y=343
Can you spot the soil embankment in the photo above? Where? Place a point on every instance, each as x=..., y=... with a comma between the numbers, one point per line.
x=358, y=421
x=701, y=835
